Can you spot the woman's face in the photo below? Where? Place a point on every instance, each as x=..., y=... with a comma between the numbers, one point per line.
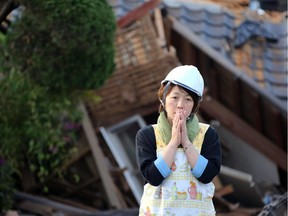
x=178, y=100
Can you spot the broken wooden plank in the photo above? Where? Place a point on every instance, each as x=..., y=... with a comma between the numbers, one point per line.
x=245, y=131
x=111, y=191
x=160, y=28
x=56, y=206
x=137, y=13
x=12, y=213
x=227, y=189
x=37, y=208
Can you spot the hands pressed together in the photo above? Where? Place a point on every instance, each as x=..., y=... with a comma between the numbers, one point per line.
x=179, y=136
x=179, y=131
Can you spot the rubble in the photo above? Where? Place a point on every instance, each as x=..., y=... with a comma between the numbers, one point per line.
x=93, y=183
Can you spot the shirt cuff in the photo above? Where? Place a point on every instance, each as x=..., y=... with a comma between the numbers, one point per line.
x=163, y=168
x=199, y=166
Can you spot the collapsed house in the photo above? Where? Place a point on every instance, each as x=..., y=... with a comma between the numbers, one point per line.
x=251, y=121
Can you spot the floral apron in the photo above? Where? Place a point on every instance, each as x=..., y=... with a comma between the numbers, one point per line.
x=180, y=194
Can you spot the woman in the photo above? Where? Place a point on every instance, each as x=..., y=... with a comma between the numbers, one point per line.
x=178, y=157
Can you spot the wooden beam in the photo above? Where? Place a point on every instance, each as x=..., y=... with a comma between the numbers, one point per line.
x=56, y=206
x=40, y=209
x=245, y=131
x=182, y=32
x=160, y=27
x=137, y=13
x=273, y=124
x=107, y=181
x=252, y=102
x=225, y=190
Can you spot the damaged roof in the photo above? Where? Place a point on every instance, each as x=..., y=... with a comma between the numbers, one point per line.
x=246, y=77
x=254, y=40
x=227, y=19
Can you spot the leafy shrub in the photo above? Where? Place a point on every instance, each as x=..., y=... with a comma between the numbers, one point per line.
x=52, y=56
x=37, y=129
x=64, y=45
x=6, y=185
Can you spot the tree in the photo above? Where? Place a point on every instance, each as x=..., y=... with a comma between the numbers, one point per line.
x=56, y=51
x=64, y=45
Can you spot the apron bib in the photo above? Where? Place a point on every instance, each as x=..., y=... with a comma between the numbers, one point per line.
x=180, y=194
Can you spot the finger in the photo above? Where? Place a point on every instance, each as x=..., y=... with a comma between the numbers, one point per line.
x=176, y=120
x=181, y=125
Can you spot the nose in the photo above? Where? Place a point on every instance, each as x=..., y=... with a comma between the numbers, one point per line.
x=180, y=104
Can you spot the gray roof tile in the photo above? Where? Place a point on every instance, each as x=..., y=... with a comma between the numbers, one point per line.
x=211, y=22
x=276, y=78
x=276, y=66
x=263, y=43
x=276, y=53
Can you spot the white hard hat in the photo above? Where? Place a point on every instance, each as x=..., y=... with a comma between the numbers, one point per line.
x=188, y=77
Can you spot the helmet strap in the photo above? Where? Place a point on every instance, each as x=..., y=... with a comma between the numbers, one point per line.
x=191, y=116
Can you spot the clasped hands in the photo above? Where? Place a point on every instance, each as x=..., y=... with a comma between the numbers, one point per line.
x=179, y=134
